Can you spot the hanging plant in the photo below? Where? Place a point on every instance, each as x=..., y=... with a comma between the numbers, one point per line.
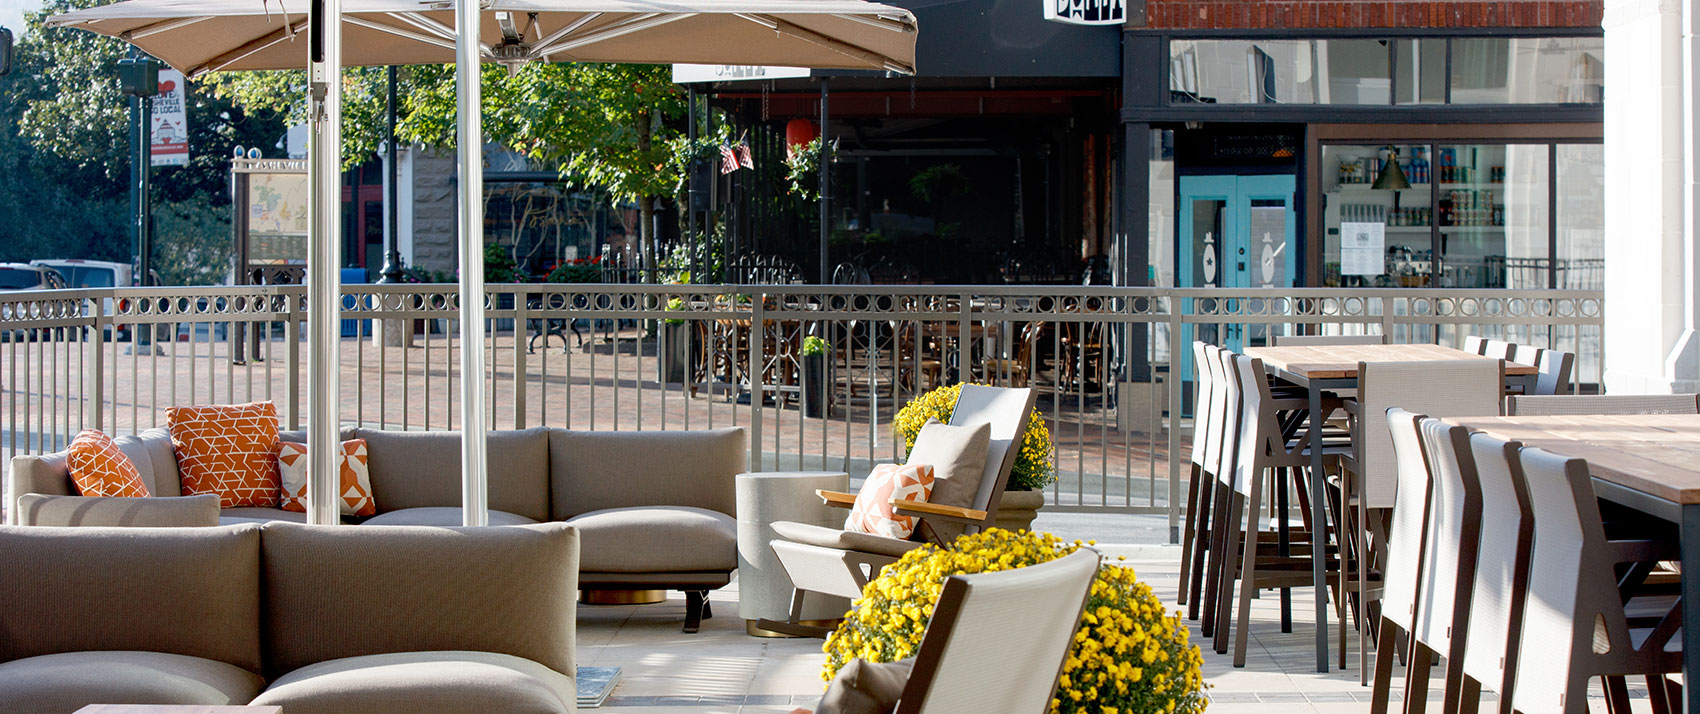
x=802, y=168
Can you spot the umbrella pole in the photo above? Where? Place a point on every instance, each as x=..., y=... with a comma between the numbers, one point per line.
x=324, y=285
x=470, y=163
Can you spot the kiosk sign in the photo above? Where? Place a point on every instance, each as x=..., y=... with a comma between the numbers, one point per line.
x=1086, y=12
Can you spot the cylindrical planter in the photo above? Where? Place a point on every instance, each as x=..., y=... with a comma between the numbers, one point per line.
x=817, y=392
x=1017, y=509
x=671, y=357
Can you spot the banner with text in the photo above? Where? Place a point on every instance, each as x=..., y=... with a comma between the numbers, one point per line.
x=170, y=130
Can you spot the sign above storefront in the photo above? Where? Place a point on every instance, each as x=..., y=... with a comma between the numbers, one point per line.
x=688, y=73
x=1086, y=12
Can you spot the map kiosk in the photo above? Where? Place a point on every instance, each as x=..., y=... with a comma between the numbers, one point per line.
x=269, y=229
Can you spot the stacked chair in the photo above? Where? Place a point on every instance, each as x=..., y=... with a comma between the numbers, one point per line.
x=1555, y=365
x=1499, y=561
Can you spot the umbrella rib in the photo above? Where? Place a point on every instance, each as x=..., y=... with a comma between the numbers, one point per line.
x=158, y=27
x=248, y=48
x=883, y=22
x=398, y=32
x=867, y=56
x=569, y=29
x=638, y=24
x=425, y=23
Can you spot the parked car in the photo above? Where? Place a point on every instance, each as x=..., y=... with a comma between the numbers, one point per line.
x=90, y=273
x=19, y=276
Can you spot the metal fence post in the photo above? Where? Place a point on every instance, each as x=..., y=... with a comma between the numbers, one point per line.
x=520, y=380
x=94, y=382
x=292, y=376
x=1177, y=357
x=758, y=360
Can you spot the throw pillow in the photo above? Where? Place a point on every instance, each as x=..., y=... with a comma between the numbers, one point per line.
x=958, y=457
x=355, y=494
x=864, y=687
x=230, y=450
x=98, y=468
x=873, y=513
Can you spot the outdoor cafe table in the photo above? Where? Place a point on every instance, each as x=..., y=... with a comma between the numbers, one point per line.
x=1645, y=462
x=1334, y=368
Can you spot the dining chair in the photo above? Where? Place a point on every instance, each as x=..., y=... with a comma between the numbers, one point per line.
x=1369, y=483
x=1556, y=405
x=1220, y=456
x=1401, y=537
x=1203, y=432
x=1501, y=579
x=1327, y=340
x=1578, y=618
x=1554, y=376
x=1474, y=344
x=1498, y=349
x=1450, y=543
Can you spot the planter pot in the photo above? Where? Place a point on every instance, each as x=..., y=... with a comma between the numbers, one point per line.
x=817, y=392
x=670, y=366
x=1018, y=509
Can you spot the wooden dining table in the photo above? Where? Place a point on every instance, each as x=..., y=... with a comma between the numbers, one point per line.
x=1646, y=462
x=1324, y=369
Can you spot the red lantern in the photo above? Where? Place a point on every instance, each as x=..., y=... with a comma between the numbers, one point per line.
x=798, y=132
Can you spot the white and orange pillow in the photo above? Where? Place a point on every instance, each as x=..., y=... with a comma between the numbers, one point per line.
x=230, y=450
x=98, y=468
x=354, y=496
x=873, y=513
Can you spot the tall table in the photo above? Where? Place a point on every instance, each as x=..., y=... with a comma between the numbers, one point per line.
x=1645, y=462
x=1334, y=368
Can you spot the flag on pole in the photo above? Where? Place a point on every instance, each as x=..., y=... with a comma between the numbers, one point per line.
x=744, y=158
x=728, y=159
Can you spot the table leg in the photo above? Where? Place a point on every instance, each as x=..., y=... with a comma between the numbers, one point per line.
x=1318, y=521
x=1690, y=543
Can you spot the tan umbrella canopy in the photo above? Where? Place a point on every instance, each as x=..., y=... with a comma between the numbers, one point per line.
x=199, y=36
x=321, y=36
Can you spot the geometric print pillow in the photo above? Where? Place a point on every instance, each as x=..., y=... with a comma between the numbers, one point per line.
x=100, y=469
x=873, y=513
x=355, y=493
x=230, y=450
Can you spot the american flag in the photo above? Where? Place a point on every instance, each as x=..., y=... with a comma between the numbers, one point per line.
x=744, y=156
x=728, y=159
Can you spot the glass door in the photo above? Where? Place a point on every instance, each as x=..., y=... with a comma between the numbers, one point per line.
x=1235, y=232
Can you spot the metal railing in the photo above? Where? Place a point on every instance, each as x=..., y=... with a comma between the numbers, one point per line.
x=691, y=357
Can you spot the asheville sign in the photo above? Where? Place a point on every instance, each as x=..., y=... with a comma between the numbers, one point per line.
x=1086, y=12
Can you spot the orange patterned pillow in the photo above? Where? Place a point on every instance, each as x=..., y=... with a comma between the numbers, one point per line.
x=230, y=450
x=100, y=469
x=890, y=482
x=356, y=490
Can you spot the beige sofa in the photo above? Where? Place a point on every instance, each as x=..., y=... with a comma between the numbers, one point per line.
x=655, y=510
x=315, y=619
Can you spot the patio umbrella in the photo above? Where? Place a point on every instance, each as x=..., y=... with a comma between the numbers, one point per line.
x=199, y=36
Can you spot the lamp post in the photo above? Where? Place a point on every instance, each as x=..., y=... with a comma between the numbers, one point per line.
x=392, y=256
x=138, y=77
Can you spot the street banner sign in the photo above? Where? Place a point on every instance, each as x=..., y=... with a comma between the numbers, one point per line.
x=170, y=129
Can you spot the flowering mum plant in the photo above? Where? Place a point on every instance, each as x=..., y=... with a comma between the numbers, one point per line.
x=1129, y=654
x=1035, y=466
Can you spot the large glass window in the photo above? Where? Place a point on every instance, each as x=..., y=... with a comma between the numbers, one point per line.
x=1528, y=70
x=1492, y=214
x=1580, y=255
x=1353, y=72
x=1241, y=72
x=1377, y=237
x=1421, y=68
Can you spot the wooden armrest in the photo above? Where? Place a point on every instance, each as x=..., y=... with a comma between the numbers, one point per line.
x=924, y=510
x=837, y=499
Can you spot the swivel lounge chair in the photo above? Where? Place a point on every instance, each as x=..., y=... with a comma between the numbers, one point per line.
x=840, y=562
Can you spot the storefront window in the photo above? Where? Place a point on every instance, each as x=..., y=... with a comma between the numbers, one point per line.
x=1353, y=72
x=1241, y=72
x=1492, y=213
x=1376, y=237
x=1580, y=260
x=1421, y=68
x=1546, y=70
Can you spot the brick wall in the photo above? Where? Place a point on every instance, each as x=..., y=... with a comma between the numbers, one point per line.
x=1308, y=14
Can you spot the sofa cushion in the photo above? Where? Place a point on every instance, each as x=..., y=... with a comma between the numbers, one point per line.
x=72, y=680
x=234, y=516
x=455, y=682
x=154, y=457
x=188, y=591
x=440, y=516
x=230, y=450
x=810, y=534
x=411, y=469
x=596, y=470
x=179, y=511
x=863, y=687
x=100, y=469
x=656, y=539
x=354, y=495
x=333, y=592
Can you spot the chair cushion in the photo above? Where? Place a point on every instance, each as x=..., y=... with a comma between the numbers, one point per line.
x=99, y=468
x=599, y=470
x=188, y=591
x=451, y=682
x=411, y=469
x=864, y=687
x=178, y=511
x=234, y=516
x=72, y=680
x=657, y=539
x=230, y=450
x=873, y=513
x=958, y=457
x=154, y=457
x=440, y=516
x=354, y=496
x=824, y=537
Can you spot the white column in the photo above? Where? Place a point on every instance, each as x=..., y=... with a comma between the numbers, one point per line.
x=1650, y=197
x=324, y=247
x=470, y=163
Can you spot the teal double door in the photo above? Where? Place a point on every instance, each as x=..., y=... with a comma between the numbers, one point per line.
x=1235, y=232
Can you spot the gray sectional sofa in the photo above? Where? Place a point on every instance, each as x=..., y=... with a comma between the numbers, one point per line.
x=315, y=619
x=655, y=510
